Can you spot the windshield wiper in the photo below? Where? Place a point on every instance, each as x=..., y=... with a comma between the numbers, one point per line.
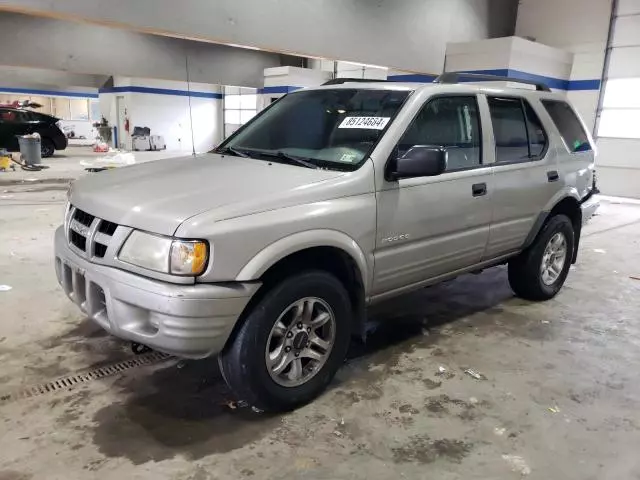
x=288, y=158
x=234, y=151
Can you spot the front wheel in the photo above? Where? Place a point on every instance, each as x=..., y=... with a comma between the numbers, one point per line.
x=291, y=344
x=540, y=271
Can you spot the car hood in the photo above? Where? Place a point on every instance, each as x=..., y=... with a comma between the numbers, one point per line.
x=158, y=196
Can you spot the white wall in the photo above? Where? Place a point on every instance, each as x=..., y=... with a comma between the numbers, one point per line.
x=404, y=34
x=168, y=115
x=349, y=69
x=513, y=57
x=577, y=26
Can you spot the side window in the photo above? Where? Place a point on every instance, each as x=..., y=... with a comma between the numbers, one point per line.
x=537, y=135
x=509, y=130
x=568, y=125
x=449, y=122
x=8, y=116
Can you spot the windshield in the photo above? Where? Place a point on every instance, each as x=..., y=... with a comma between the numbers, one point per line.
x=333, y=128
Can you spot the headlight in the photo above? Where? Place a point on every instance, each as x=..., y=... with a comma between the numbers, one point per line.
x=165, y=254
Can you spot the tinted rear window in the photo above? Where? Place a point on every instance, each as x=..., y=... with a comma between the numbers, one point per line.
x=568, y=125
x=509, y=130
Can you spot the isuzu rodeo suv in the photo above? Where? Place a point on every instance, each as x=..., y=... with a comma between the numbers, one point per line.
x=267, y=251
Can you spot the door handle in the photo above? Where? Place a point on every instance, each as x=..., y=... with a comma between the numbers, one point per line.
x=552, y=176
x=479, y=189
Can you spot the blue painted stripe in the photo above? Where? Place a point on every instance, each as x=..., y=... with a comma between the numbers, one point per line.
x=48, y=93
x=161, y=91
x=279, y=89
x=584, y=85
x=557, y=83
x=551, y=82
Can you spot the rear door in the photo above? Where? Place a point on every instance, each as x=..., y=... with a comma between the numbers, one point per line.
x=430, y=226
x=576, y=160
x=526, y=173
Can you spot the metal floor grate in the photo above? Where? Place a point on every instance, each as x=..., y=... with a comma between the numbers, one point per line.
x=71, y=381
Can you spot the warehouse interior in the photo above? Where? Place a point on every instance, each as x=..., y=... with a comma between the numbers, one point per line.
x=552, y=391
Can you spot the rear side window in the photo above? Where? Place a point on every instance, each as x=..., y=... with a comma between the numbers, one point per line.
x=7, y=115
x=15, y=116
x=517, y=129
x=509, y=130
x=537, y=135
x=568, y=125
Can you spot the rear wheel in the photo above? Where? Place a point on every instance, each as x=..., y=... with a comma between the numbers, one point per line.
x=291, y=344
x=47, y=149
x=540, y=271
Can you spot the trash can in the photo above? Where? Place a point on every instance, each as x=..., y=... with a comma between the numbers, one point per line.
x=30, y=149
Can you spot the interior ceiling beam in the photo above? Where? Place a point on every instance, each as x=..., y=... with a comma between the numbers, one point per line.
x=402, y=34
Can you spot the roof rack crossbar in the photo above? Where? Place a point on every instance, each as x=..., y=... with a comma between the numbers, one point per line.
x=340, y=81
x=457, y=77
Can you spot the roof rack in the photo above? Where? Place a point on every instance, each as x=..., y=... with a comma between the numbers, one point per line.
x=457, y=77
x=340, y=81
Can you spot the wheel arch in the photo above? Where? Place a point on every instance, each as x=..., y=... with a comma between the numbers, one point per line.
x=327, y=250
x=568, y=205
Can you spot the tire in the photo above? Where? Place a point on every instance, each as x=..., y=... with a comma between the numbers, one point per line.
x=47, y=149
x=526, y=273
x=243, y=362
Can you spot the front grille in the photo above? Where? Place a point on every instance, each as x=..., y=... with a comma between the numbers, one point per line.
x=108, y=228
x=78, y=240
x=83, y=217
x=100, y=250
x=89, y=234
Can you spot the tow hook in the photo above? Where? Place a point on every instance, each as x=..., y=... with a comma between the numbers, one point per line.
x=139, y=349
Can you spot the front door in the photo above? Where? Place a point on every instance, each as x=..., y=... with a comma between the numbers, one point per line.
x=430, y=226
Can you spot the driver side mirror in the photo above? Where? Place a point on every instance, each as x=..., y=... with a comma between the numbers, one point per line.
x=419, y=161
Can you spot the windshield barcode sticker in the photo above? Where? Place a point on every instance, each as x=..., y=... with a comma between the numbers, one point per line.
x=374, y=123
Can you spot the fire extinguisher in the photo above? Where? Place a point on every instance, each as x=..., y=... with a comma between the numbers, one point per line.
x=126, y=124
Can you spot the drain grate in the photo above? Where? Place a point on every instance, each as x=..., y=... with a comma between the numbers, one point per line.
x=71, y=381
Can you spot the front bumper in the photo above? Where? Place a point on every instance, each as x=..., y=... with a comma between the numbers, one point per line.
x=192, y=321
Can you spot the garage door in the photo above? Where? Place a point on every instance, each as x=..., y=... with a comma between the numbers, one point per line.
x=618, y=127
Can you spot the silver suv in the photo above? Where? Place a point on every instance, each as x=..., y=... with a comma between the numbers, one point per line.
x=267, y=251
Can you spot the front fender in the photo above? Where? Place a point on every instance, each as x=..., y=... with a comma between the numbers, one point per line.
x=291, y=244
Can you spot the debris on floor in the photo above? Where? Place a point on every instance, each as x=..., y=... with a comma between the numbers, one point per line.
x=633, y=277
x=554, y=409
x=5, y=288
x=474, y=374
x=499, y=431
x=473, y=400
x=599, y=250
x=518, y=464
x=109, y=161
x=441, y=370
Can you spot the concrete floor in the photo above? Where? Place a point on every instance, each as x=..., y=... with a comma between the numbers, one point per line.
x=67, y=165
x=559, y=400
